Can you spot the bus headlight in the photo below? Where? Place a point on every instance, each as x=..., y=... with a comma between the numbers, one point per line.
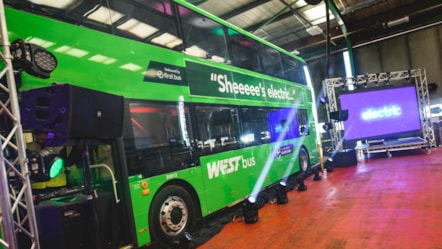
x=33, y=59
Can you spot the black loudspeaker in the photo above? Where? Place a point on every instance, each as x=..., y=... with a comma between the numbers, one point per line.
x=341, y=115
x=344, y=158
x=63, y=223
x=70, y=111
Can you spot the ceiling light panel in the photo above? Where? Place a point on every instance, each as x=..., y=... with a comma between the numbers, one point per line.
x=59, y=4
x=105, y=15
x=316, y=15
x=137, y=28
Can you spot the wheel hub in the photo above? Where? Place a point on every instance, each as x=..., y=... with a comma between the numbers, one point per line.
x=173, y=215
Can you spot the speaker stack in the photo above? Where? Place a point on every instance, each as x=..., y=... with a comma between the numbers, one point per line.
x=63, y=223
x=74, y=112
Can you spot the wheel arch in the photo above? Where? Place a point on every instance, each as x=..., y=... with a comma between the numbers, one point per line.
x=303, y=148
x=189, y=188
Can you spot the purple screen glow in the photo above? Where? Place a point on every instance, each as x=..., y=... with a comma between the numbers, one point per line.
x=380, y=113
x=282, y=124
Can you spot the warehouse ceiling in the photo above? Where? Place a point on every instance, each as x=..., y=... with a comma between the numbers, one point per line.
x=301, y=28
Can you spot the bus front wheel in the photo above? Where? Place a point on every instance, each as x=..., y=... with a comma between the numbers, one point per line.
x=171, y=215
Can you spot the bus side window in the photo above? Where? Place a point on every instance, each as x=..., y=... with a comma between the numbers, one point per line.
x=244, y=51
x=218, y=128
x=255, y=129
x=160, y=124
x=203, y=37
x=303, y=122
x=271, y=61
x=293, y=70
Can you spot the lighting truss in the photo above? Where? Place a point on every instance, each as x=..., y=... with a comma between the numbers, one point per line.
x=418, y=75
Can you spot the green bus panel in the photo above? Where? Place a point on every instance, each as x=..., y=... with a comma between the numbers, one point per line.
x=98, y=60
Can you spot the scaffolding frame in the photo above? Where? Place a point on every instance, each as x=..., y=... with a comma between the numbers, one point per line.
x=17, y=213
x=420, y=79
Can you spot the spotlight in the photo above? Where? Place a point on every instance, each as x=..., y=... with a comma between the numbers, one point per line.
x=327, y=126
x=408, y=76
x=329, y=165
x=323, y=100
x=281, y=193
x=302, y=186
x=432, y=87
x=317, y=177
x=341, y=115
x=250, y=210
x=388, y=78
x=33, y=59
x=366, y=80
x=44, y=165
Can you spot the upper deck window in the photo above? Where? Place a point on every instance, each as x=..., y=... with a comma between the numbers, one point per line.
x=203, y=37
x=244, y=51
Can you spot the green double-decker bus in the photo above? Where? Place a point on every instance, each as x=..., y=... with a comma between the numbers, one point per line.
x=212, y=114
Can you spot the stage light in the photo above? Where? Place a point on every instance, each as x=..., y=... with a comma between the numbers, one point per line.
x=301, y=184
x=341, y=115
x=317, y=177
x=44, y=165
x=408, y=76
x=250, y=210
x=323, y=100
x=281, y=193
x=327, y=126
x=33, y=59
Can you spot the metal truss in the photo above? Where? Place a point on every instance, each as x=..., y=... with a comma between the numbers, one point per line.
x=420, y=79
x=17, y=214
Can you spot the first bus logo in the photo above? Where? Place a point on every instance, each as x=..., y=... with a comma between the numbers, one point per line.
x=229, y=165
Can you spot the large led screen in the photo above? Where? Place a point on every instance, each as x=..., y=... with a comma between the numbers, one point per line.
x=381, y=114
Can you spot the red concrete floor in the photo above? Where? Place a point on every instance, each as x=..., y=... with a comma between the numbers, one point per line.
x=391, y=203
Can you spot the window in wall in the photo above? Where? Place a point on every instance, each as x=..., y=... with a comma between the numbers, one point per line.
x=244, y=51
x=203, y=37
x=218, y=128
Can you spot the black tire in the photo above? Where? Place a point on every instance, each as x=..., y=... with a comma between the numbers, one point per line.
x=171, y=215
x=304, y=160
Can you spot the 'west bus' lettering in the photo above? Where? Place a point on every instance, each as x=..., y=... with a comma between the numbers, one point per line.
x=229, y=165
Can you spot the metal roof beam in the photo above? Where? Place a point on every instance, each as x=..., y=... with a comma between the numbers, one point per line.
x=244, y=8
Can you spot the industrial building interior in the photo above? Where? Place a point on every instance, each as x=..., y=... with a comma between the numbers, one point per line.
x=369, y=186
x=386, y=200
x=380, y=35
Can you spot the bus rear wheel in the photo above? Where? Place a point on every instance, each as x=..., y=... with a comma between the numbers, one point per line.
x=171, y=215
x=304, y=161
